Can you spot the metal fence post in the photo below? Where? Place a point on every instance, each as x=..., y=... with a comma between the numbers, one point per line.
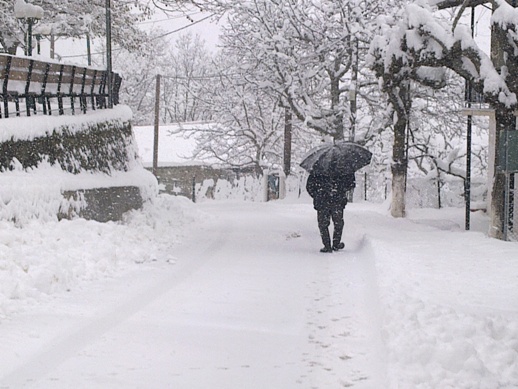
x=157, y=125
x=194, y=189
x=365, y=186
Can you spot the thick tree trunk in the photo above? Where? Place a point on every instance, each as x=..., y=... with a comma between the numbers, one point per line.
x=496, y=229
x=400, y=98
x=399, y=169
x=397, y=208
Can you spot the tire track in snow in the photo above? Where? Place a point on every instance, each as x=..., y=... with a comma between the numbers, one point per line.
x=66, y=346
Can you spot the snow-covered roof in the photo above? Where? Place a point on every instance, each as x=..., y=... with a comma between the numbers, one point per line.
x=173, y=149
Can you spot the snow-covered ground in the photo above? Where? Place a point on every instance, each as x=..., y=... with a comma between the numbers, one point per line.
x=236, y=295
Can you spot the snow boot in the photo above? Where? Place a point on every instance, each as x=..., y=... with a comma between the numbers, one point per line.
x=326, y=249
x=338, y=246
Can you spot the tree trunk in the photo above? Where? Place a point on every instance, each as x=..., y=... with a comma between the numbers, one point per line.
x=399, y=169
x=338, y=119
x=496, y=229
x=400, y=98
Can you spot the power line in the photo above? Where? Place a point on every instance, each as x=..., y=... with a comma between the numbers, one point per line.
x=186, y=15
x=183, y=28
x=153, y=38
x=86, y=55
x=207, y=77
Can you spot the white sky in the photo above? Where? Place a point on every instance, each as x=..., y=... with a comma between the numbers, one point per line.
x=208, y=29
x=75, y=50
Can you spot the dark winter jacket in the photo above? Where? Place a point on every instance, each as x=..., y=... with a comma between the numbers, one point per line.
x=328, y=192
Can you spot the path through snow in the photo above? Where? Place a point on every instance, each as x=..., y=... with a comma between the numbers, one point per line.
x=248, y=303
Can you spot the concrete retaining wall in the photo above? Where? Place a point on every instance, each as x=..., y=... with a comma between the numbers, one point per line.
x=103, y=204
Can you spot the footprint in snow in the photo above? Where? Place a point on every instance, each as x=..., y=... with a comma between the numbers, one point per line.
x=293, y=235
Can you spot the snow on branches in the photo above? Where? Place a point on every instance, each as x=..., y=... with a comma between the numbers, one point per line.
x=420, y=40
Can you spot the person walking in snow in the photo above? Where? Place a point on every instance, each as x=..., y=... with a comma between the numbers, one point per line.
x=329, y=200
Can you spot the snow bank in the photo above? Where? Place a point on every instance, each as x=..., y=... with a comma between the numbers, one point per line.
x=446, y=319
x=44, y=258
x=31, y=194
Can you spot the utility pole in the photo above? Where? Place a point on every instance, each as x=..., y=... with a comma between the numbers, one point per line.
x=157, y=125
x=109, y=52
x=288, y=128
x=88, y=49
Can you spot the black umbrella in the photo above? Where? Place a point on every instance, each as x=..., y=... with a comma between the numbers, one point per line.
x=338, y=158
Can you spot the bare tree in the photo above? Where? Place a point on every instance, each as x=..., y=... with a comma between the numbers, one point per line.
x=139, y=70
x=249, y=122
x=305, y=52
x=189, y=69
x=184, y=67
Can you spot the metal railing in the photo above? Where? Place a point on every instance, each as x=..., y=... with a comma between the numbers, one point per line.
x=52, y=87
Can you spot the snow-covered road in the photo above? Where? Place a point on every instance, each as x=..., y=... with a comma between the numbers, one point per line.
x=248, y=302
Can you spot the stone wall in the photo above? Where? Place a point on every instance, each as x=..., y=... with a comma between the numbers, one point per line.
x=102, y=147
x=90, y=159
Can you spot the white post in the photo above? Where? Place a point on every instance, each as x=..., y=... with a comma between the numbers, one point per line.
x=490, y=113
x=265, y=185
x=282, y=185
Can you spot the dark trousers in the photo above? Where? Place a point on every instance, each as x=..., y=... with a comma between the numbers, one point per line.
x=324, y=217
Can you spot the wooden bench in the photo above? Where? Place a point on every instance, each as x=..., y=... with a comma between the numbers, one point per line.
x=38, y=82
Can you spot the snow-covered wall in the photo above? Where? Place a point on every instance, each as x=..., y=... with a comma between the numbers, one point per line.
x=99, y=141
x=54, y=166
